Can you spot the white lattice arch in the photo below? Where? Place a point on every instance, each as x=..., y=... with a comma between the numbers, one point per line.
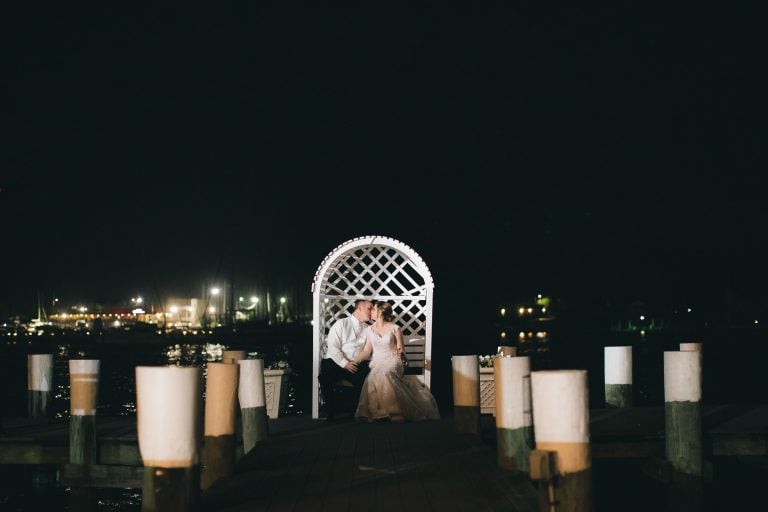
x=372, y=267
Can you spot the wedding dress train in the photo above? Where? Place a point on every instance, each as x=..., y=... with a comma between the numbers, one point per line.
x=386, y=392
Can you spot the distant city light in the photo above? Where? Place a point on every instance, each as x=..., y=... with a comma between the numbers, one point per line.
x=174, y=309
x=689, y=310
x=642, y=317
x=254, y=299
x=530, y=310
x=543, y=310
x=538, y=296
x=503, y=311
x=503, y=335
x=521, y=335
x=282, y=300
x=139, y=300
x=211, y=309
x=215, y=291
x=756, y=322
x=521, y=311
x=241, y=299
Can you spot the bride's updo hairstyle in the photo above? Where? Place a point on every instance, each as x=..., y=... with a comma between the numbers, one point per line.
x=385, y=308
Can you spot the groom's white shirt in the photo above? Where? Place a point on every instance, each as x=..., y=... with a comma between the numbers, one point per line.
x=346, y=338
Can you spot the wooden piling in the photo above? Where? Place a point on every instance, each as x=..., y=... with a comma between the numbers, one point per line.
x=561, y=426
x=466, y=393
x=683, y=430
x=694, y=346
x=514, y=433
x=682, y=411
x=233, y=357
x=168, y=426
x=83, y=399
x=253, y=403
x=39, y=384
x=84, y=388
x=220, y=402
x=618, y=376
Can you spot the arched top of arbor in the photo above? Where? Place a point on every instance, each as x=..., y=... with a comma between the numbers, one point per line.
x=375, y=267
x=380, y=250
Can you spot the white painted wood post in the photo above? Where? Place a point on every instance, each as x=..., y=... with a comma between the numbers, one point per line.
x=692, y=346
x=682, y=412
x=220, y=402
x=253, y=405
x=561, y=426
x=514, y=431
x=618, y=376
x=683, y=429
x=466, y=393
x=168, y=414
x=39, y=384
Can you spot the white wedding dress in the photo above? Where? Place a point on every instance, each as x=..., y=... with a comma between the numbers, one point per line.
x=386, y=393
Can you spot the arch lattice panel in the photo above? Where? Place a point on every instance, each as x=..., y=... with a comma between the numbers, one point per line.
x=374, y=272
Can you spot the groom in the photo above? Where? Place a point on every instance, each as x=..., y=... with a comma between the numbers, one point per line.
x=344, y=343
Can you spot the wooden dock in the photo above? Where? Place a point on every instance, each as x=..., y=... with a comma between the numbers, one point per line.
x=307, y=464
x=379, y=466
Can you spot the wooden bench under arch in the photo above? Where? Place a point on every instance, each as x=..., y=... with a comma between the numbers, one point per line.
x=374, y=267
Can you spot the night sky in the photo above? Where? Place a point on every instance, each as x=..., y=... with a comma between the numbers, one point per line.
x=598, y=153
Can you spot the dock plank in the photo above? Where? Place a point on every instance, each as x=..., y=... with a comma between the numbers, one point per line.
x=362, y=493
x=338, y=490
x=388, y=495
x=319, y=475
x=378, y=467
x=412, y=494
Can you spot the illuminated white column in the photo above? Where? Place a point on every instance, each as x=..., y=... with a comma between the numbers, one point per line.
x=618, y=376
x=466, y=393
x=561, y=427
x=233, y=356
x=39, y=384
x=692, y=346
x=220, y=403
x=514, y=435
x=682, y=412
x=168, y=414
x=507, y=351
x=252, y=402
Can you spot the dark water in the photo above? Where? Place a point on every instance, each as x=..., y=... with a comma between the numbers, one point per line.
x=733, y=362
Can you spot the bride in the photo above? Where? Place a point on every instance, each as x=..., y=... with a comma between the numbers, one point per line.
x=386, y=393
